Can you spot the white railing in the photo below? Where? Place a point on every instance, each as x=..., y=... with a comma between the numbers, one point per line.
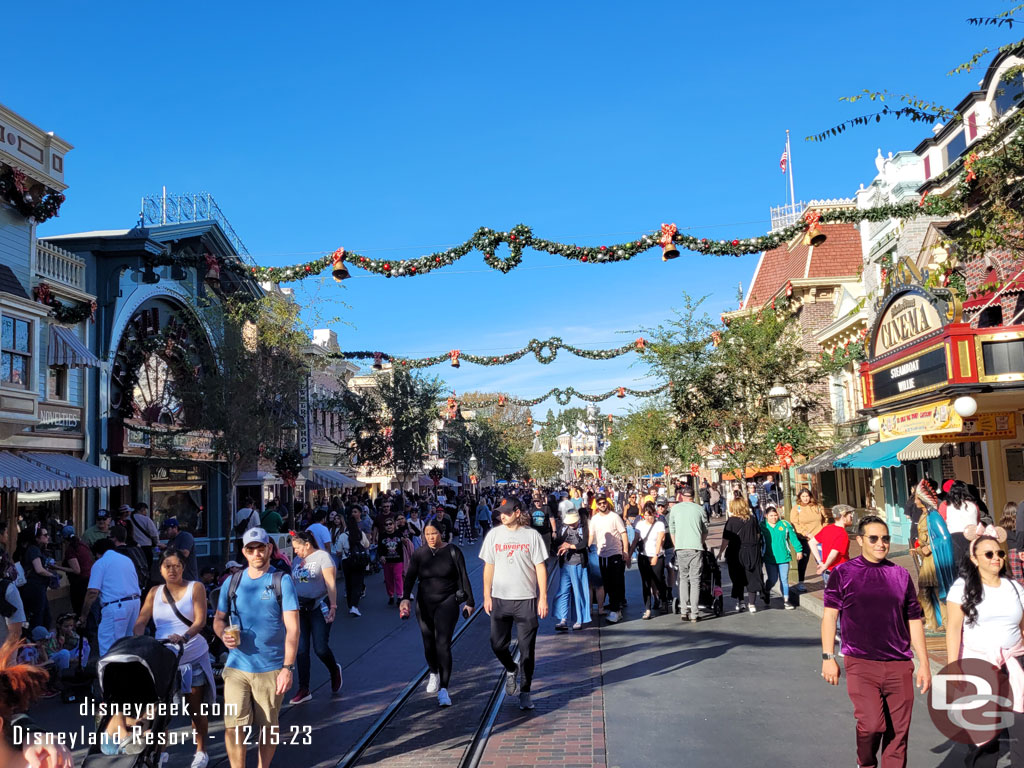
x=786, y=215
x=55, y=265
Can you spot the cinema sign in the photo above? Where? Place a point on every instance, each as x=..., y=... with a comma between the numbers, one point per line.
x=909, y=317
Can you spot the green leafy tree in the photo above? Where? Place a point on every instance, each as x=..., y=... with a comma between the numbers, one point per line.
x=391, y=423
x=637, y=440
x=543, y=466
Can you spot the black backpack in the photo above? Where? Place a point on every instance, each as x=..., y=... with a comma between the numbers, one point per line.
x=244, y=526
x=236, y=579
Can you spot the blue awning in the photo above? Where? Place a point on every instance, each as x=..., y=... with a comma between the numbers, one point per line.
x=884, y=454
x=81, y=473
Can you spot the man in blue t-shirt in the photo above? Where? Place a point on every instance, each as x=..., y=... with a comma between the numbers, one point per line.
x=261, y=660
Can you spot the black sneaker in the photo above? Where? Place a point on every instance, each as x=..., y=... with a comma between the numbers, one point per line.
x=561, y=627
x=391, y=601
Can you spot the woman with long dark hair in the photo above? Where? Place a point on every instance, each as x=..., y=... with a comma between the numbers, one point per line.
x=440, y=570
x=808, y=517
x=986, y=617
x=32, y=555
x=961, y=511
x=353, y=548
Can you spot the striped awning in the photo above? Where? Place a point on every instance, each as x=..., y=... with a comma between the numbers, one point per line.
x=258, y=477
x=81, y=473
x=919, y=449
x=329, y=478
x=17, y=474
x=66, y=348
x=825, y=462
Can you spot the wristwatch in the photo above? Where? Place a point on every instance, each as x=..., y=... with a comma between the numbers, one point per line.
x=828, y=657
x=289, y=667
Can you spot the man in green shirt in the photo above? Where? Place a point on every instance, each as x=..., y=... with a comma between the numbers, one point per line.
x=688, y=528
x=271, y=520
x=99, y=530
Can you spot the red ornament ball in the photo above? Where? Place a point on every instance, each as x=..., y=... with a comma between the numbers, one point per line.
x=512, y=237
x=437, y=259
x=584, y=258
x=309, y=268
x=412, y=270
x=735, y=242
x=604, y=247
x=387, y=266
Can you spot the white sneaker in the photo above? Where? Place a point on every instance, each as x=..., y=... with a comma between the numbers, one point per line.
x=201, y=760
x=612, y=617
x=443, y=699
x=433, y=682
x=354, y=611
x=789, y=607
x=752, y=608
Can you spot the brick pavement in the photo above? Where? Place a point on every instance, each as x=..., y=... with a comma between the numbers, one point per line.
x=567, y=728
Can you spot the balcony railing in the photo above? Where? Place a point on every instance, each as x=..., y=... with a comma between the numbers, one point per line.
x=57, y=266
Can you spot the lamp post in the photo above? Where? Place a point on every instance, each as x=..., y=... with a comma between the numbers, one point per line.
x=473, y=466
x=780, y=408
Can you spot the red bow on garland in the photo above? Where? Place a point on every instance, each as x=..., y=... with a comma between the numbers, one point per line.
x=785, y=454
x=668, y=231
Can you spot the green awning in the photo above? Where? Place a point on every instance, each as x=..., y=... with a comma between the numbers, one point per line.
x=875, y=456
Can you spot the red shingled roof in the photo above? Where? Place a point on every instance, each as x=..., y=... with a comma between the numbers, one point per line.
x=838, y=256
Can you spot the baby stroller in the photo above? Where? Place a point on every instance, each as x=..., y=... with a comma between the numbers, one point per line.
x=711, y=596
x=137, y=671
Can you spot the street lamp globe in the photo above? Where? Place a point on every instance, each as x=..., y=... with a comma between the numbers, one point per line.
x=780, y=405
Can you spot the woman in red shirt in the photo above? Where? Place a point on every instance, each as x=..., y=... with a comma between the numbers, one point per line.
x=834, y=540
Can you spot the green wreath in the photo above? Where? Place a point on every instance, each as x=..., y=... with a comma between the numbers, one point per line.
x=551, y=345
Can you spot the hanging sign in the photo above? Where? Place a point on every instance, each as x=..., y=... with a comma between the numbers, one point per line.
x=983, y=426
x=932, y=419
x=907, y=319
x=910, y=376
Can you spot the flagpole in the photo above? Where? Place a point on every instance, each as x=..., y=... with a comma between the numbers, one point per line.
x=789, y=167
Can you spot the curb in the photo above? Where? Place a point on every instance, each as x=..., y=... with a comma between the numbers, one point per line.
x=815, y=605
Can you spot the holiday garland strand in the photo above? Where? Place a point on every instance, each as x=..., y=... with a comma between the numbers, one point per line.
x=32, y=199
x=63, y=313
x=545, y=350
x=487, y=241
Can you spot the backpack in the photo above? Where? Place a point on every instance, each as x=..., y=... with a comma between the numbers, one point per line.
x=236, y=579
x=356, y=551
x=244, y=526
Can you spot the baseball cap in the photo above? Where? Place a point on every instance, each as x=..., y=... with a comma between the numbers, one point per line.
x=39, y=634
x=507, y=507
x=126, y=508
x=255, y=536
x=170, y=522
x=232, y=564
x=67, y=531
x=102, y=514
x=687, y=492
x=662, y=501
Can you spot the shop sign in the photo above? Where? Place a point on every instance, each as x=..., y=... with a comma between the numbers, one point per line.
x=983, y=426
x=909, y=318
x=303, y=409
x=194, y=445
x=911, y=376
x=56, y=418
x=932, y=419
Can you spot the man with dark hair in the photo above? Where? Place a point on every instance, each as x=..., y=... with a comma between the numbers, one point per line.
x=515, y=592
x=185, y=543
x=882, y=620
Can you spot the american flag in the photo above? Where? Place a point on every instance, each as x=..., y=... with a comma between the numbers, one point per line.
x=783, y=160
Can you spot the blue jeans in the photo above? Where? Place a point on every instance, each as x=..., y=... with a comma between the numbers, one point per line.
x=574, y=579
x=313, y=625
x=777, y=572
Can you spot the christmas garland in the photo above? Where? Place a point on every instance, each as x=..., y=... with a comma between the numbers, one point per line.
x=487, y=241
x=564, y=396
x=544, y=350
x=32, y=199
x=64, y=314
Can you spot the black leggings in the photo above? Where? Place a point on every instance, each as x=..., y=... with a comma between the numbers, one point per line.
x=801, y=564
x=437, y=623
x=354, y=575
x=613, y=574
x=522, y=613
x=652, y=579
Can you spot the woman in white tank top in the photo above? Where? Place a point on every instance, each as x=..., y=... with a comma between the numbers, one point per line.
x=189, y=600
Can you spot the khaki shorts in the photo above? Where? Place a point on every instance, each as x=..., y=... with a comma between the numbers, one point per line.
x=251, y=698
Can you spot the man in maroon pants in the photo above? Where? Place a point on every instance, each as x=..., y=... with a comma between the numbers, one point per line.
x=881, y=621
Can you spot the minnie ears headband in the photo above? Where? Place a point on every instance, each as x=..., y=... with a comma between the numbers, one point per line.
x=973, y=532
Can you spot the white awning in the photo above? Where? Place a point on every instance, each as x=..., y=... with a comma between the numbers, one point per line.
x=81, y=473
x=919, y=449
x=20, y=475
x=330, y=478
x=67, y=349
x=447, y=482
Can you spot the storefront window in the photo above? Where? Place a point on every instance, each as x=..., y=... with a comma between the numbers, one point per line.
x=51, y=510
x=181, y=492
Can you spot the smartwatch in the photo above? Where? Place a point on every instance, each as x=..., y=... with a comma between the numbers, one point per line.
x=828, y=657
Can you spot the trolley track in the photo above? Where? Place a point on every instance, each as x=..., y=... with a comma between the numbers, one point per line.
x=451, y=734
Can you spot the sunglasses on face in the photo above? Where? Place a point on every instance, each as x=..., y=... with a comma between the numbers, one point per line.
x=874, y=538
x=990, y=553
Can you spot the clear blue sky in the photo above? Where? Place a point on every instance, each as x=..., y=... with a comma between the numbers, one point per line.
x=394, y=128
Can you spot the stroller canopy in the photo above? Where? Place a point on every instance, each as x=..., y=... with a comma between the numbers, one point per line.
x=137, y=670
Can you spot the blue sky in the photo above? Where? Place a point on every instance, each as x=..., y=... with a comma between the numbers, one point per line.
x=395, y=128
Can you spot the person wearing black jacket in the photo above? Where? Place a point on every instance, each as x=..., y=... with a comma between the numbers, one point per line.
x=572, y=542
x=440, y=569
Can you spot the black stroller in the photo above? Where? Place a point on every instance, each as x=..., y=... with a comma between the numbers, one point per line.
x=137, y=671
x=711, y=596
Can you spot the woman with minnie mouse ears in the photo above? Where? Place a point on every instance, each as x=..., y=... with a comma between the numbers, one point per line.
x=986, y=615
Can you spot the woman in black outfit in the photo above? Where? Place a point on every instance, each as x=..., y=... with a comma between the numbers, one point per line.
x=741, y=547
x=444, y=583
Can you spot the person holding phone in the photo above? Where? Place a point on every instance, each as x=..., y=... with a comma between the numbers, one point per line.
x=444, y=584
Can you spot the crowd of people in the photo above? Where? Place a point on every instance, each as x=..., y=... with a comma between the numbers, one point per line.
x=257, y=621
